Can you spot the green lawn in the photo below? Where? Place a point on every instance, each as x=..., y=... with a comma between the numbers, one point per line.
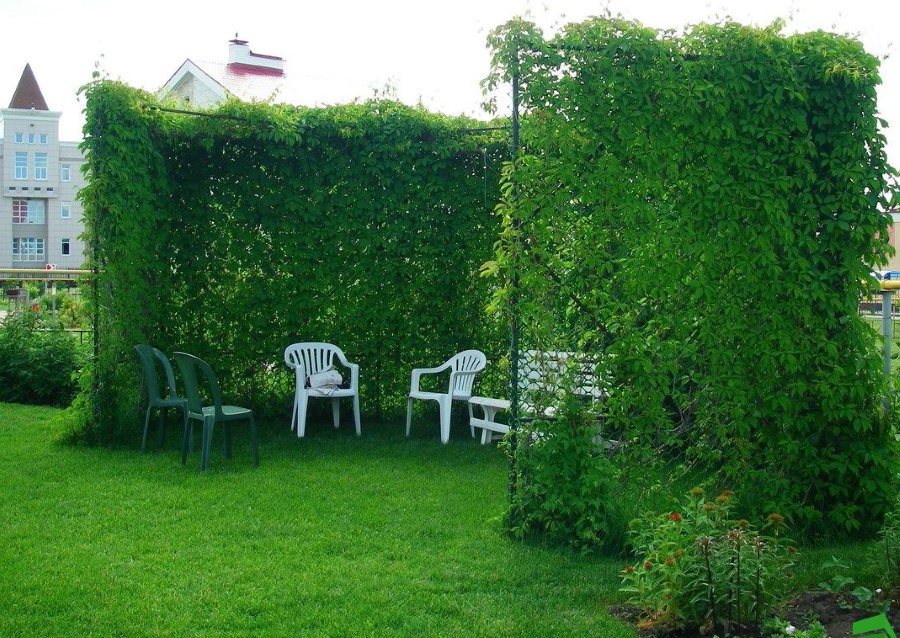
x=330, y=536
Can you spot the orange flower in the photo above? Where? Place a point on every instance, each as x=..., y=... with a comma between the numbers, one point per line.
x=648, y=564
x=675, y=516
x=628, y=569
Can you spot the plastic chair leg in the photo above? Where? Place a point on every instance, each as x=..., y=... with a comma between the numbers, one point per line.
x=162, y=426
x=408, y=414
x=471, y=416
x=302, y=400
x=356, y=414
x=187, y=440
x=146, y=426
x=336, y=412
x=295, y=414
x=445, y=421
x=207, y=441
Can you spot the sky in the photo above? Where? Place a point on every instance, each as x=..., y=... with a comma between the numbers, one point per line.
x=429, y=51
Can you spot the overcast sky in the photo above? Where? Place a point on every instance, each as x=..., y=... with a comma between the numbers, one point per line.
x=336, y=50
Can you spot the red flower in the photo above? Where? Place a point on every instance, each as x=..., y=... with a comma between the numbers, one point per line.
x=648, y=564
x=669, y=561
x=675, y=516
x=628, y=569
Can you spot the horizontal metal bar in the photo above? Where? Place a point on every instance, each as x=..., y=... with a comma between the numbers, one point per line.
x=485, y=129
x=215, y=116
x=42, y=274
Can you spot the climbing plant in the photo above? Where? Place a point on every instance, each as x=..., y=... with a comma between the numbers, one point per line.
x=700, y=211
x=237, y=232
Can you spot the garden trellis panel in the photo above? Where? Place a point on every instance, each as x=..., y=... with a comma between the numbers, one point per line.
x=699, y=212
x=234, y=234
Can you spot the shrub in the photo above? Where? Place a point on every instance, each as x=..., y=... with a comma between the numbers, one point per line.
x=887, y=554
x=38, y=361
x=563, y=485
x=698, y=568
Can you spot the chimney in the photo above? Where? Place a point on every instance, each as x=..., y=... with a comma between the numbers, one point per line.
x=240, y=55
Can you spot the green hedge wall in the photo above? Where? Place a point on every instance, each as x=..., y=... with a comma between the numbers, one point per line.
x=701, y=210
x=235, y=234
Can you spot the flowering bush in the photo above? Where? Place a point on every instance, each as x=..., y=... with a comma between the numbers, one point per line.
x=699, y=568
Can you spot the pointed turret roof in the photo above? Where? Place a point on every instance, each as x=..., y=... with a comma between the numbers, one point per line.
x=28, y=94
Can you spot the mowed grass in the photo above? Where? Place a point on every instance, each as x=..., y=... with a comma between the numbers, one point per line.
x=332, y=535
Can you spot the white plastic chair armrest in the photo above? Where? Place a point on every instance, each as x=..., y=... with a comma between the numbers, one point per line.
x=418, y=372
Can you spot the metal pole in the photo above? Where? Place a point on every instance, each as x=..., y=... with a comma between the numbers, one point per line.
x=886, y=329
x=514, y=318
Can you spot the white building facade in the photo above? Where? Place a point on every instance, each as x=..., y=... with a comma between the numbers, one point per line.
x=40, y=217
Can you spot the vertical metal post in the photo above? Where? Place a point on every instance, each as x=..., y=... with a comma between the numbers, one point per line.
x=886, y=330
x=514, y=313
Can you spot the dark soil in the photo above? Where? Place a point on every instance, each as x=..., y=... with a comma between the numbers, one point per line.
x=834, y=611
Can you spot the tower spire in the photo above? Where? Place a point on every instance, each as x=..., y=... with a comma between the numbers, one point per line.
x=28, y=94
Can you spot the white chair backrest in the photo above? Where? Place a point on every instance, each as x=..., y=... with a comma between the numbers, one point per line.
x=466, y=361
x=313, y=356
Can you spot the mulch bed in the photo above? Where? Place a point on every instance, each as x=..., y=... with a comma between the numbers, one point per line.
x=832, y=610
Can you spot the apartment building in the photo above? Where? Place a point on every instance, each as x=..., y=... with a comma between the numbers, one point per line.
x=40, y=217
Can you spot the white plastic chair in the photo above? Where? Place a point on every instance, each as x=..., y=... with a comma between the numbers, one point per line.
x=311, y=358
x=463, y=368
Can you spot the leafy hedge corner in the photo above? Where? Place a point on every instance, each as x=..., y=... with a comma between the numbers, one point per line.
x=233, y=236
x=699, y=210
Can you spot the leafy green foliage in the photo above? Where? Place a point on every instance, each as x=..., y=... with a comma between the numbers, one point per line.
x=887, y=553
x=232, y=236
x=698, y=211
x=699, y=568
x=39, y=361
x=565, y=496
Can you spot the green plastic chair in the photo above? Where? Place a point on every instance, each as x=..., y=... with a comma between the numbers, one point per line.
x=211, y=414
x=149, y=356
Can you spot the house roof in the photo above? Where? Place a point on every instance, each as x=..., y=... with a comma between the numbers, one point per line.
x=249, y=83
x=28, y=94
x=247, y=75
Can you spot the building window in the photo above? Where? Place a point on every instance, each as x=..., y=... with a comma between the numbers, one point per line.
x=65, y=172
x=40, y=166
x=21, y=165
x=20, y=138
x=28, y=249
x=64, y=248
x=65, y=210
x=29, y=211
x=42, y=139
x=31, y=138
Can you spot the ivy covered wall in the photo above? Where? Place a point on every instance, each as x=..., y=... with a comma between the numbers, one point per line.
x=233, y=235
x=700, y=211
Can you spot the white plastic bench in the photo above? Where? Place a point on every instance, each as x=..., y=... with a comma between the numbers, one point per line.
x=540, y=372
x=490, y=429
